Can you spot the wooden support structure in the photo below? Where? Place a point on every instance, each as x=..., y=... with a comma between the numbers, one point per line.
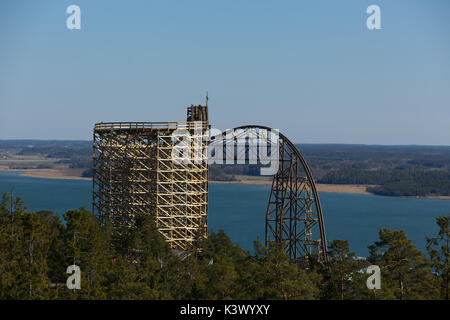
x=161, y=168
x=135, y=172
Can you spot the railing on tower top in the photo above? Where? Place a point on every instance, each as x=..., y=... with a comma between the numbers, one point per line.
x=150, y=125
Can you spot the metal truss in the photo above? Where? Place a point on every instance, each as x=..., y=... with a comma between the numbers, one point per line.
x=294, y=214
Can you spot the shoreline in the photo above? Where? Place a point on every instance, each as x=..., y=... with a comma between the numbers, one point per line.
x=329, y=188
x=45, y=173
x=334, y=188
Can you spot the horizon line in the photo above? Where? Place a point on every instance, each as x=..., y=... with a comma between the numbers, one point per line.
x=304, y=143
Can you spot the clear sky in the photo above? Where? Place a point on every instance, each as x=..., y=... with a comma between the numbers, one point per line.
x=310, y=68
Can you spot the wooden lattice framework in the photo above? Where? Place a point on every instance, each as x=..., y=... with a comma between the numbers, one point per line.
x=162, y=169
x=135, y=172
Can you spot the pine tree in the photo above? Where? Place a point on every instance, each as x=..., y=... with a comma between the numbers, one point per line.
x=279, y=278
x=405, y=272
x=150, y=254
x=35, y=246
x=24, y=247
x=9, y=266
x=344, y=274
x=87, y=245
x=438, y=249
x=217, y=263
x=56, y=254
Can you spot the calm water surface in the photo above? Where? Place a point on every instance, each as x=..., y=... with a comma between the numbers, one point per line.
x=240, y=210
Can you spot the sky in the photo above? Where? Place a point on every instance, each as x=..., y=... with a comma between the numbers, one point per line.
x=311, y=68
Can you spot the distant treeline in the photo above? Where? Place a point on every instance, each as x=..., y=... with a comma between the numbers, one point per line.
x=57, y=151
x=218, y=172
x=394, y=182
x=395, y=170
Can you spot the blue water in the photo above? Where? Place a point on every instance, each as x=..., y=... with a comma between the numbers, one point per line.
x=240, y=210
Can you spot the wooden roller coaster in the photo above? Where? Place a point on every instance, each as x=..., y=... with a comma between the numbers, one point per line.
x=135, y=172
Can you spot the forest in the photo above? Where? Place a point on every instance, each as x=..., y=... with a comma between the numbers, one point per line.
x=416, y=171
x=37, y=247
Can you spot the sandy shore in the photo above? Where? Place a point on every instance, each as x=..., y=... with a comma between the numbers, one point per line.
x=337, y=188
x=438, y=197
x=340, y=188
x=72, y=174
x=75, y=174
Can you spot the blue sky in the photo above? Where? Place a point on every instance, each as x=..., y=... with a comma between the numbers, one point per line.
x=310, y=68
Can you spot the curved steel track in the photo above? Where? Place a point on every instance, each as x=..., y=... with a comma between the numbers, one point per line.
x=294, y=215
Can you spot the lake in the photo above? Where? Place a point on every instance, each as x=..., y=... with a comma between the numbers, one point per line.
x=239, y=210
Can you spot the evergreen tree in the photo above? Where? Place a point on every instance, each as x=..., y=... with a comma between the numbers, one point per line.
x=438, y=249
x=87, y=245
x=221, y=270
x=217, y=263
x=279, y=278
x=405, y=273
x=344, y=274
x=23, y=251
x=34, y=248
x=125, y=281
x=9, y=244
x=137, y=263
x=150, y=254
x=56, y=253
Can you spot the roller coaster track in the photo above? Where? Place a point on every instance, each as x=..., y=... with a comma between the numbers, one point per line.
x=294, y=217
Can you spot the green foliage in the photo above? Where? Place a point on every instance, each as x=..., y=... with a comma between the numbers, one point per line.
x=344, y=276
x=137, y=263
x=218, y=264
x=438, y=249
x=394, y=182
x=144, y=267
x=395, y=170
x=24, y=248
x=86, y=245
x=405, y=272
x=279, y=278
